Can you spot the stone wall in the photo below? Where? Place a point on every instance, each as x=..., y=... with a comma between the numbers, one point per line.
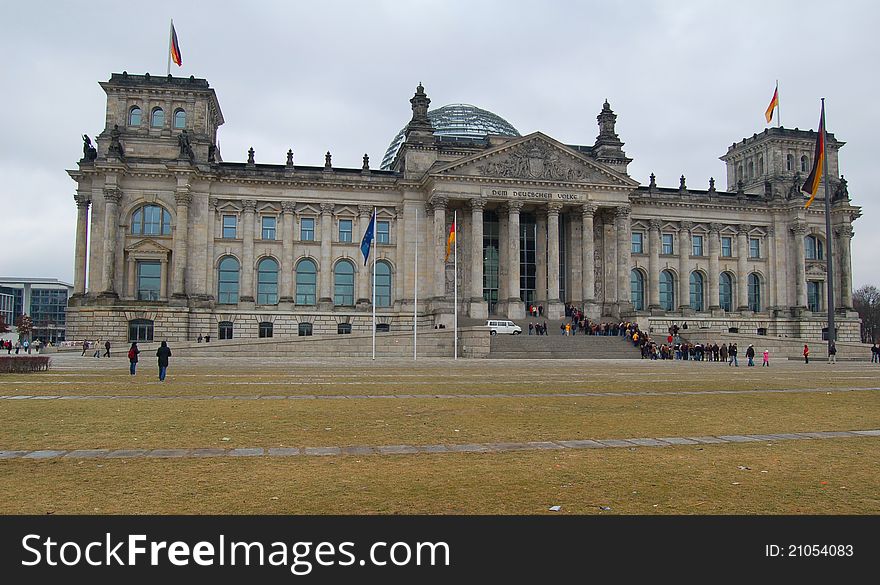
x=808, y=328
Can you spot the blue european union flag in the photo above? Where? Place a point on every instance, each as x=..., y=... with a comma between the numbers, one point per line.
x=368, y=237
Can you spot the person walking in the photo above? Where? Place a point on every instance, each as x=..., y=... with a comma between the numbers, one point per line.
x=106, y=349
x=85, y=347
x=732, y=351
x=832, y=353
x=750, y=353
x=163, y=353
x=531, y=327
x=806, y=353
x=766, y=358
x=97, y=353
x=133, y=357
x=27, y=346
x=875, y=354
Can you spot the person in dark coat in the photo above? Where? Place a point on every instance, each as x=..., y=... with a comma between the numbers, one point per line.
x=163, y=353
x=106, y=349
x=133, y=357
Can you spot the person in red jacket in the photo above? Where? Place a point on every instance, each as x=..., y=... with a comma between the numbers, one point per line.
x=806, y=353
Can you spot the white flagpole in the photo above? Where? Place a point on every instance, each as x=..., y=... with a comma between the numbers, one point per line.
x=170, y=28
x=778, y=108
x=455, y=289
x=416, y=292
x=374, y=282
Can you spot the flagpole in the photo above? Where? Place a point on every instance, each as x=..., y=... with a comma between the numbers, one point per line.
x=416, y=292
x=829, y=256
x=455, y=288
x=778, y=107
x=170, y=28
x=374, y=283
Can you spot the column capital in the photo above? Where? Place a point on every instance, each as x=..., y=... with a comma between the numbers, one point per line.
x=686, y=226
x=514, y=206
x=249, y=205
x=399, y=211
x=743, y=228
x=588, y=209
x=622, y=212
x=327, y=208
x=182, y=197
x=654, y=225
x=477, y=204
x=288, y=206
x=798, y=228
x=214, y=203
x=844, y=231
x=82, y=200
x=771, y=230
x=438, y=202
x=112, y=194
x=553, y=208
x=365, y=210
x=715, y=228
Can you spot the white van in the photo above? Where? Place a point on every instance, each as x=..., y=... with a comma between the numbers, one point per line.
x=506, y=327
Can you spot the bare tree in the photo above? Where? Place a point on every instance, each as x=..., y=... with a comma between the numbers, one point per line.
x=866, y=301
x=24, y=324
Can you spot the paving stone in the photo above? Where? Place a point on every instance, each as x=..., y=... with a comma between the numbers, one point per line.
x=874, y=433
x=210, y=452
x=283, y=451
x=329, y=396
x=786, y=436
x=647, y=442
x=303, y=397
x=708, y=439
x=433, y=449
x=544, y=445
x=168, y=453
x=508, y=446
x=273, y=397
x=829, y=434
x=397, y=449
x=677, y=440
x=87, y=453
x=358, y=450
x=246, y=452
x=738, y=438
x=764, y=437
x=18, y=397
x=43, y=454
x=469, y=448
x=585, y=444
x=11, y=454
x=46, y=397
x=322, y=451
x=616, y=443
x=126, y=453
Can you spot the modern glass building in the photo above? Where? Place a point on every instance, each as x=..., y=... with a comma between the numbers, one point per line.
x=43, y=299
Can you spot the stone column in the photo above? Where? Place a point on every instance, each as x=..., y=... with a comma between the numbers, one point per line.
x=780, y=262
x=541, y=258
x=684, y=275
x=365, y=273
x=325, y=292
x=844, y=265
x=654, y=264
x=742, y=268
x=199, y=263
x=211, y=276
x=287, y=230
x=554, y=305
x=401, y=266
x=515, y=309
x=714, y=266
x=772, y=280
x=247, y=252
x=478, y=308
x=131, y=285
x=163, y=278
x=588, y=254
x=112, y=196
x=624, y=256
x=182, y=198
x=82, y=242
x=440, y=238
x=799, y=229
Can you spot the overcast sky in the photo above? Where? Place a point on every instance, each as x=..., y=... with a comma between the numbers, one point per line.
x=687, y=79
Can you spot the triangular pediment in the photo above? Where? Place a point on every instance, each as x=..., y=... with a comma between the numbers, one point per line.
x=535, y=157
x=148, y=246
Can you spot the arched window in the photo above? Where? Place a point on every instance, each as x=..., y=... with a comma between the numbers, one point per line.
x=789, y=162
x=343, y=283
x=754, y=292
x=383, y=284
x=637, y=289
x=134, y=116
x=739, y=172
x=267, y=282
x=227, y=282
x=179, y=119
x=667, y=291
x=140, y=330
x=761, y=165
x=805, y=164
x=151, y=220
x=224, y=329
x=265, y=329
x=306, y=282
x=751, y=169
x=813, y=248
x=696, y=291
x=725, y=292
x=157, y=118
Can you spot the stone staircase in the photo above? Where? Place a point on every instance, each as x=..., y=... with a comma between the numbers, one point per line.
x=558, y=346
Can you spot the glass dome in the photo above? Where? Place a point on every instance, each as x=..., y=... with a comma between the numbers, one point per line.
x=458, y=120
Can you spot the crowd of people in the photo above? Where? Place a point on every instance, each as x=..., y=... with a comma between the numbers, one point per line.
x=21, y=346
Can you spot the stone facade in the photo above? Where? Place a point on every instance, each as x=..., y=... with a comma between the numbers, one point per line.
x=173, y=240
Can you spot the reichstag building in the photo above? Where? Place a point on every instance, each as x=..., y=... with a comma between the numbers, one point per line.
x=173, y=242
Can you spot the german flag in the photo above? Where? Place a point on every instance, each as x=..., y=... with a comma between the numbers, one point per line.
x=175, y=48
x=774, y=103
x=450, y=241
x=811, y=186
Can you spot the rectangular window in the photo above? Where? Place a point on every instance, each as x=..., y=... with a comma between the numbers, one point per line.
x=307, y=229
x=727, y=247
x=814, y=296
x=344, y=230
x=229, y=225
x=149, y=276
x=754, y=248
x=667, y=244
x=383, y=232
x=637, y=239
x=697, y=244
x=268, y=224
